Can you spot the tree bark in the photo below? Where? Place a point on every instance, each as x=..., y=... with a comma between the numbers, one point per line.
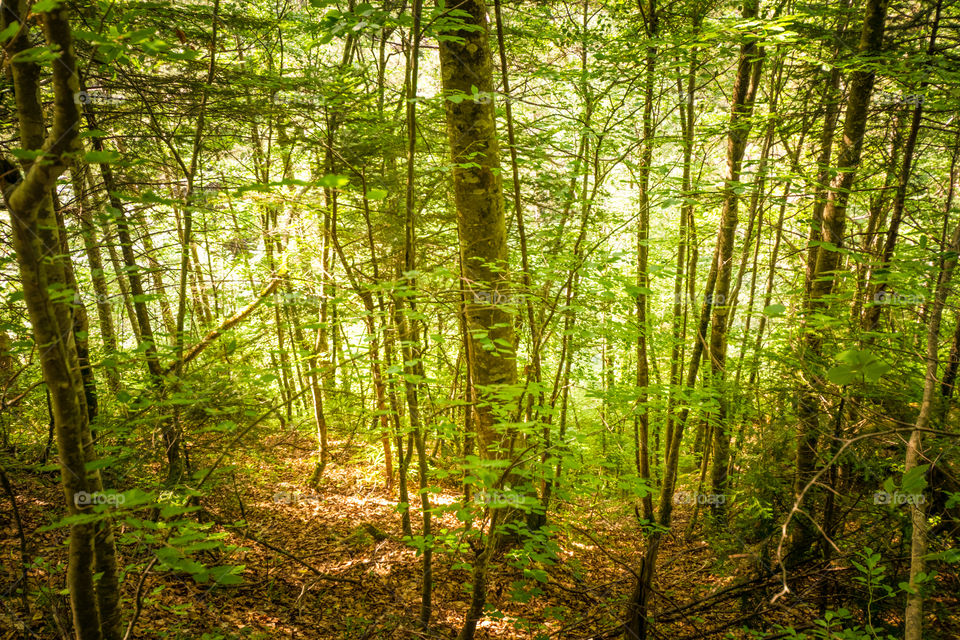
x=37, y=243
x=97, y=275
x=828, y=252
x=749, y=68
x=478, y=194
x=913, y=616
x=642, y=415
x=872, y=313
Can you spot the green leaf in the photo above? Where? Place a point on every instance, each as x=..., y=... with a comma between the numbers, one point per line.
x=25, y=154
x=102, y=463
x=77, y=518
x=171, y=510
x=857, y=365
x=227, y=574
x=841, y=375
x=101, y=157
x=9, y=32
x=774, y=310
x=39, y=55
x=915, y=481
x=332, y=181
x=44, y=6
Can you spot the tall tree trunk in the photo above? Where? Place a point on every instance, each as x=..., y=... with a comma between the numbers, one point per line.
x=146, y=340
x=636, y=625
x=173, y=433
x=872, y=243
x=480, y=213
x=39, y=250
x=749, y=68
x=872, y=313
x=913, y=617
x=122, y=284
x=407, y=321
x=828, y=252
x=535, y=370
x=156, y=274
x=91, y=247
x=78, y=312
x=831, y=114
x=478, y=192
x=679, y=315
x=642, y=413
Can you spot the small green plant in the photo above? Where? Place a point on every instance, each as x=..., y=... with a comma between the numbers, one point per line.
x=872, y=575
x=834, y=625
x=840, y=624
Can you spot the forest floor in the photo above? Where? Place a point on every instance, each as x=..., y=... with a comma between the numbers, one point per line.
x=349, y=531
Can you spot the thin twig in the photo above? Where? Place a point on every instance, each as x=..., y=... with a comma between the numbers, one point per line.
x=138, y=603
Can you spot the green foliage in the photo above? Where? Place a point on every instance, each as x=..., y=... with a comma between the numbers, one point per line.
x=857, y=365
x=297, y=170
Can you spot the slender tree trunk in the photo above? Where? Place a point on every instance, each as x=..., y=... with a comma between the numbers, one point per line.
x=872, y=243
x=744, y=91
x=872, y=313
x=122, y=284
x=90, y=244
x=534, y=372
x=828, y=254
x=678, y=322
x=370, y=322
x=913, y=617
x=156, y=275
x=831, y=101
x=949, y=378
x=173, y=433
x=642, y=413
x=406, y=320
x=146, y=338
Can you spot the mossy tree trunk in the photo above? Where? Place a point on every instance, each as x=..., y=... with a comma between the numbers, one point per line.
x=36, y=237
x=466, y=63
x=828, y=253
x=478, y=194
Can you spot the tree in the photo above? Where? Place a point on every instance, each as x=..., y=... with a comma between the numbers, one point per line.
x=49, y=300
x=467, y=70
x=828, y=254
